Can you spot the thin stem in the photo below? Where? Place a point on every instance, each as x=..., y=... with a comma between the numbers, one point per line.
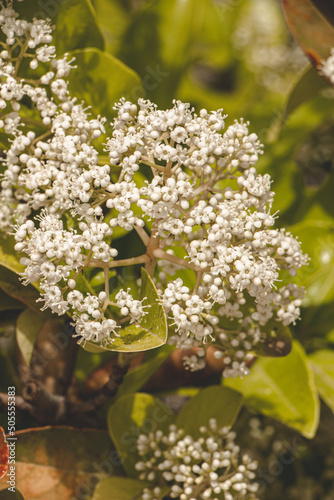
x=142, y=234
x=141, y=259
x=198, y=281
x=160, y=254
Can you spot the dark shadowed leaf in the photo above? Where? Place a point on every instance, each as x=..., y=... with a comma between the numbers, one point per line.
x=11, y=495
x=283, y=389
x=10, y=283
x=278, y=341
x=131, y=415
x=219, y=402
x=7, y=302
x=55, y=463
x=136, y=378
x=312, y=26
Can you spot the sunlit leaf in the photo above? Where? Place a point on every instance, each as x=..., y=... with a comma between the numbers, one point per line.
x=283, y=389
x=322, y=363
x=219, y=402
x=8, y=256
x=152, y=330
x=120, y=488
x=28, y=326
x=131, y=415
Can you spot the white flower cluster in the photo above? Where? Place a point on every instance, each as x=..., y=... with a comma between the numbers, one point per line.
x=42, y=167
x=196, y=469
x=203, y=216
x=327, y=67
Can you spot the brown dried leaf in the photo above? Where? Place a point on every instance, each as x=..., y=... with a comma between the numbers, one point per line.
x=311, y=23
x=62, y=462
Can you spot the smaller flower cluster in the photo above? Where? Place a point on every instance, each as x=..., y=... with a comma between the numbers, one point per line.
x=196, y=469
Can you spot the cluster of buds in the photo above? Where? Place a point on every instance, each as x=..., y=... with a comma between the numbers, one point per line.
x=196, y=469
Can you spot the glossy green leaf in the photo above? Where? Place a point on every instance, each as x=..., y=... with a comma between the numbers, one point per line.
x=311, y=27
x=28, y=327
x=317, y=238
x=152, y=330
x=219, y=402
x=120, y=488
x=75, y=22
x=322, y=363
x=136, y=378
x=100, y=80
x=283, y=389
x=54, y=463
x=8, y=256
x=131, y=415
x=77, y=27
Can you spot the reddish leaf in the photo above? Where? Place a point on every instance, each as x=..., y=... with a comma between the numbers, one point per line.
x=4, y=454
x=311, y=23
x=55, y=463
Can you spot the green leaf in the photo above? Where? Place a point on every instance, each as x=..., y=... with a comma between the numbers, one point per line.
x=75, y=22
x=136, y=378
x=152, y=330
x=322, y=363
x=77, y=27
x=283, y=389
x=131, y=415
x=8, y=256
x=28, y=327
x=10, y=283
x=100, y=80
x=317, y=237
x=311, y=26
x=305, y=88
x=120, y=488
x=219, y=402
